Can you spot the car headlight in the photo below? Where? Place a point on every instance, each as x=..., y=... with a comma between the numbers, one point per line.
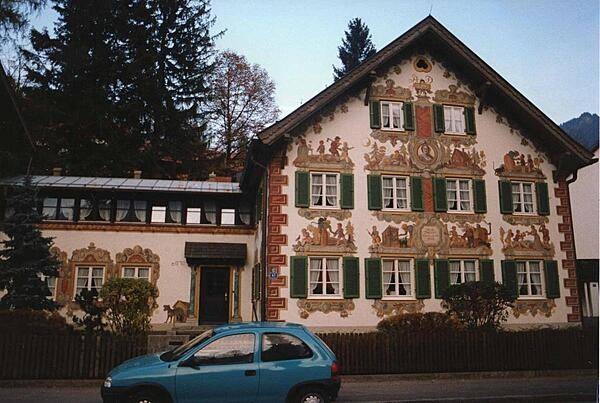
x=108, y=382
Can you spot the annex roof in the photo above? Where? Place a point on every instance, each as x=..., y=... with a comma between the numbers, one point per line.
x=490, y=88
x=216, y=253
x=125, y=184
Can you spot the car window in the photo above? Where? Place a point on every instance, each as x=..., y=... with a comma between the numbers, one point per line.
x=283, y=346
x=234, y=349
x=180, y=351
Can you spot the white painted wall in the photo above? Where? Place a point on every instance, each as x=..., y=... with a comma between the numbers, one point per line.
x=585, y=206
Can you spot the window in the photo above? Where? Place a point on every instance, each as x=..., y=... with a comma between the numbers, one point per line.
x=397, y=278
x=51, y=283
x=89, y=278
x=529, y=277
x=227, y=216
x=283, y=347
x=234, y=349
x=94, y=210
x=454, y=119
x=395, y=192
x=324, y=276
x=324, y=190
x=131, y=211
x=137, y=272
x=522, y=194
x=55, y=208
x=458, y=192
x=159, y=214
x=391, y=115
x=193, y=215
x=462, y=271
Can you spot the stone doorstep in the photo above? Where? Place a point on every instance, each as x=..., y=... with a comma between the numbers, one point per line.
x=88, y=383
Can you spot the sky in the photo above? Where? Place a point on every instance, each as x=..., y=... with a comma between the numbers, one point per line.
x=548, y=50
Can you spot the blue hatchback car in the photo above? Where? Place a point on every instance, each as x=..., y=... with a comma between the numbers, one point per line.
x=246, y=362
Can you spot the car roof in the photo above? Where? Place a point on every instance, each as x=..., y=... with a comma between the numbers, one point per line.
x=258, y=326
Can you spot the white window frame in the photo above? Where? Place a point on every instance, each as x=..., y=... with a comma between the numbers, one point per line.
x=524, y=267
x=462, y=270
x=46, y=280
x=392, y=106
x=158, y=210
x=410, y=286
x=395, y=180
x=230, y=214
x=521, y=198
x=136, y=274
x=89, y=277
x=324, y=190
x=458, y=195
x=323, y=276
x=450, y=116
x=193, y=210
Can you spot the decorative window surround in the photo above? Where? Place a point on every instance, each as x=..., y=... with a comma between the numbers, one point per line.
x=307, y=306
x=392, y=307
x=533, y=307
x=85, y=257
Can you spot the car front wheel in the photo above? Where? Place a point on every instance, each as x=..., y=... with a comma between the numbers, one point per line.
x=146, y=396
x=312, y=395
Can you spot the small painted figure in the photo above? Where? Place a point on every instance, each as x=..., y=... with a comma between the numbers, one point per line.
x=334, y=147
x=406, y=237
x=321, y=150
x=530, y=164
x=481, y=236
x=456, y=241
x=339, y=235
x=375, y=237
x=304, y=238
x=345, y=149
x=545, y=235
x=350, y=232
x=469, y=236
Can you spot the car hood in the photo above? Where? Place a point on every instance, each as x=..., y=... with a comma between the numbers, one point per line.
x=142, y=361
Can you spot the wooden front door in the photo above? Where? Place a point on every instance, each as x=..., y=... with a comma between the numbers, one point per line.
x=214, y=295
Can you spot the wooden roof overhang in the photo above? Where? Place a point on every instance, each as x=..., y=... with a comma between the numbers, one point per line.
x=429, y=35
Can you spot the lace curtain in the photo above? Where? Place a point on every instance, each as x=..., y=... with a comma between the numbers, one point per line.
x=210, y=211
x=333, y=274
x=317, y=190
x=316, y=276
x=331, y=190
x=175, y=211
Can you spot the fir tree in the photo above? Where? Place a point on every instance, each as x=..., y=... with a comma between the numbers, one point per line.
x=26, y=254
x=356, y=48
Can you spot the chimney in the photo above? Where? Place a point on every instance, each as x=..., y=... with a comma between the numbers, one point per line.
x=57, y=171
x=137, y=174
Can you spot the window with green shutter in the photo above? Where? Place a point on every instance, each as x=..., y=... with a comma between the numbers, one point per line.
x=440, y=202
x=416, y=193
x=506, y=199
x=423, y=280
x=480, y=203
x=552, y=279
x=351, y=277
x=347, y=191
x=298, y=276
x=543, y=203
x=469, y=120
x=442, y=277
x=486, y=270
x=302, y=189
x=509, y=276
x=409, y=120
x=373, y=278
x=374, y=192
x=439, y=124
x=374, y=114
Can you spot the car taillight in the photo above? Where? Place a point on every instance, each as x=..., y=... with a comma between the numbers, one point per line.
x=335, y=370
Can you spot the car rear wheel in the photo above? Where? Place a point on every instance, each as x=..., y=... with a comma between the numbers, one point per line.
x=312, y=395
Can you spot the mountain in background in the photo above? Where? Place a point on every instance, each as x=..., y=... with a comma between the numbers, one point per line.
x=584, y=130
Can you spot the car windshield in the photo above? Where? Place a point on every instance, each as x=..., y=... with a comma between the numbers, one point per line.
x=180, y=351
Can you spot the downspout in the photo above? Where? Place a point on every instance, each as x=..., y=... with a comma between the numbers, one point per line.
x=263, y=243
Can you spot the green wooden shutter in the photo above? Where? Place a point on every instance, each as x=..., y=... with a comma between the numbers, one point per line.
x=440, y=201
x=479, y=196
x=409, y=120
x=416, y=193
x=506, y=201
x=442, y=277
x=469, y=120
x=439, y=124
x=347, y=191
x=423, y=280
x=486, y=270
x=351, y=277
x=552, y=281
x=374, y=192
x=374, y=114
x=509, y=276
x=302, y=189
x=373, y=278
x=541, y=193
x=298, y=276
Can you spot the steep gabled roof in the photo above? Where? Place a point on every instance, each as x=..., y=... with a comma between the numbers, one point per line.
x=490, y=87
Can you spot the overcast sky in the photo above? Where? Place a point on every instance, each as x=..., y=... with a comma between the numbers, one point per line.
x=548, y=49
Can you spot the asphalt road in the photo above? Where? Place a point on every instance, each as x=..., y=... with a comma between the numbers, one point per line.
x=580, y=388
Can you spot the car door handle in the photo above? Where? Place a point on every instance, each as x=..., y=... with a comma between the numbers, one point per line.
x=250, y=372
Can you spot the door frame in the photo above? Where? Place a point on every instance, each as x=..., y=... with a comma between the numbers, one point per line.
x=230, y=292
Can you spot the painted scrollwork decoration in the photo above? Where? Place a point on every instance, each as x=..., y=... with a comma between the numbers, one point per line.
x=395, y=307
x=308, y=306
x=534, y=307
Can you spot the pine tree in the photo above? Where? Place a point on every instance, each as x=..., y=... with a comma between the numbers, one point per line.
x=26, y=254
x=356, y=47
